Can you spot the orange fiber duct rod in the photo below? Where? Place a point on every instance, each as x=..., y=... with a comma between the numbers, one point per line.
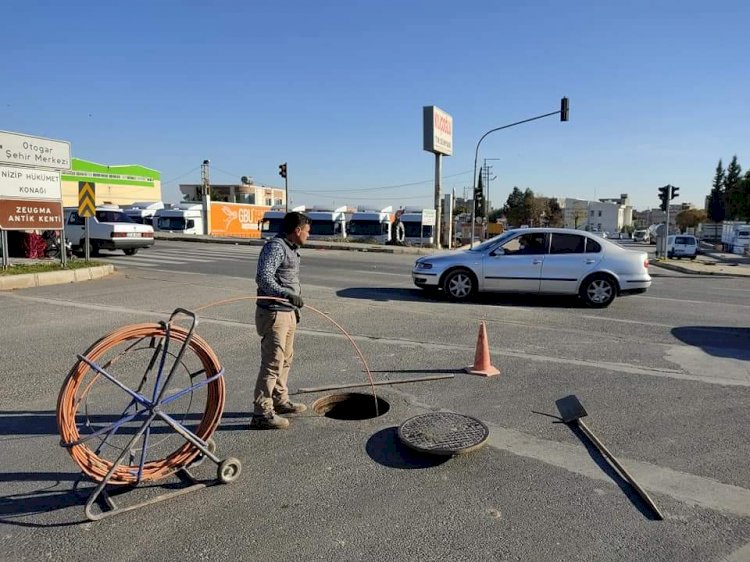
x=72, y=395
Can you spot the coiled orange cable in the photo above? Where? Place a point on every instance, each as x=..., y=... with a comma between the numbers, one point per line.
x=69, y=401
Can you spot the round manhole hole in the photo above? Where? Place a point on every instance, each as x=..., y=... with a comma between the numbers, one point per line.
x=443, y=433
x=351, y=406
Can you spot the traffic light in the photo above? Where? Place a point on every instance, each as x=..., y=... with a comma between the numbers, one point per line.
x=564, y=109
x=478, y=202
x=675, y=192
x=282, y=170
x=664, y=197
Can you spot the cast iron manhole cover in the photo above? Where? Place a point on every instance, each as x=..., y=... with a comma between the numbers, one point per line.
x=443, y=433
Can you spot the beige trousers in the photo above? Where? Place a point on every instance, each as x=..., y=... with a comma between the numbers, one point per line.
x=276, y=329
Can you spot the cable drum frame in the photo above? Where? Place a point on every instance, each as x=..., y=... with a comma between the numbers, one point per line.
x=198, y=445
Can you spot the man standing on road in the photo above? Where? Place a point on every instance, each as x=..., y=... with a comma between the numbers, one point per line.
x=276, y=321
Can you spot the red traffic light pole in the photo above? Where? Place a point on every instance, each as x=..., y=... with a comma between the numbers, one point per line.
x=564, y=115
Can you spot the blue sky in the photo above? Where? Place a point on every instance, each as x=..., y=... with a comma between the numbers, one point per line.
x=659, y=92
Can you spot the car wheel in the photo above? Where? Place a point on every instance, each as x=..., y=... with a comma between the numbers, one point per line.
x=459, y=285
x=131, y=251
x=692, y=257
x=670, y=255
x=598, y=291
x=93, y=249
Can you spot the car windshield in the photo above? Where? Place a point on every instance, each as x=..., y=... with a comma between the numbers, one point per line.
x=112, y=216
x=487, y=244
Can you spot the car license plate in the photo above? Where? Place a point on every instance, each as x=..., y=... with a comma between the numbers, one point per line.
x=134, y=235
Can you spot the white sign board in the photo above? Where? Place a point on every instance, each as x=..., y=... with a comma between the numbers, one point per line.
x=428, y=217
x=25, y=150
x=29, y=183
x=437, y=127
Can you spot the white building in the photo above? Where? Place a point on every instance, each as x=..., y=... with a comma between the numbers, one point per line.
x=605, y=215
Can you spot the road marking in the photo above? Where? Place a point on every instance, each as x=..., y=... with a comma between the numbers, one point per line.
x=685, y=301
x=687, y=488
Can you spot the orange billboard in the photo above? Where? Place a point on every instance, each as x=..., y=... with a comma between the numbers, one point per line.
x=236, y=219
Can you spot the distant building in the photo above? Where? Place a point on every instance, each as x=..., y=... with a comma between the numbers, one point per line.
x=605, y=215
x=114, y=184
x=249, y=194
x=657, y=216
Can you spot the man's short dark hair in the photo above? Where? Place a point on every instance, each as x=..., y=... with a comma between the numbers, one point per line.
x=293, y=220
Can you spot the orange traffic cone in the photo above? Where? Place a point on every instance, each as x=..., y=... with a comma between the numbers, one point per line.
x=482, y=365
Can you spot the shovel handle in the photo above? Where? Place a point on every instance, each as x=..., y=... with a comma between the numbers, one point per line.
x=603, y=450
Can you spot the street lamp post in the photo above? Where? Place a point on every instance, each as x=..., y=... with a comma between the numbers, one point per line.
x=563, y=112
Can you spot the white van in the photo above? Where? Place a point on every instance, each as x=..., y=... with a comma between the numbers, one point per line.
x=641, y=236
x=682, y=246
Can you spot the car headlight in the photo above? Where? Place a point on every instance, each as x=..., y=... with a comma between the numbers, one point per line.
x=423, y=265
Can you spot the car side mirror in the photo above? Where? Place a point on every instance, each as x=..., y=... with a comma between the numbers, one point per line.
x=498, y=252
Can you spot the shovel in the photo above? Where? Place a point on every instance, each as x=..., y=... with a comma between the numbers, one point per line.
x=572, y=411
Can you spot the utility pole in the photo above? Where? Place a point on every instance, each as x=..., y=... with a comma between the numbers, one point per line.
x=206, y=197
x=487, y=200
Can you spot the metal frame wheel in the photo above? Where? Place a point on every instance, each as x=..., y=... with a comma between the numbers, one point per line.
x=459, y=285
x=229, y=470
x=137, y=404
x=598, y=291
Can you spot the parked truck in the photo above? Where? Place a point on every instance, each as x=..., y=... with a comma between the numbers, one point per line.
x=185, y=218
x=735, y=237
x=327, y=223
x=143, y=212
x=418, y=226
x=270, y=224
x=369, y=225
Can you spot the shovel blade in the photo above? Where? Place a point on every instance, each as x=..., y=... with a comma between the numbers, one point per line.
x=570, y=408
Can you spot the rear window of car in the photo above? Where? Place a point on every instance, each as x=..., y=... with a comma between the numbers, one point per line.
x=685, y=240
x=592, y=246
x=567, y=244
x=112, y=216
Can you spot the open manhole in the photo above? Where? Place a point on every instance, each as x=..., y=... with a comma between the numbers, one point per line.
x=443, y=433
x=350, y=406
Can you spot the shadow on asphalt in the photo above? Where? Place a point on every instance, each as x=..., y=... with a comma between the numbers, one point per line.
x=719, y=341
x=387, y=294
x=610, y=471
x=385, y=448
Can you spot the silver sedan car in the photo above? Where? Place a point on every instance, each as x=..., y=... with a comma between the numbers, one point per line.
x=538, y=260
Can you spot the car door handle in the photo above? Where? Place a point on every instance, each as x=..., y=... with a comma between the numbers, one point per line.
x=590, y=261
x=536, y=261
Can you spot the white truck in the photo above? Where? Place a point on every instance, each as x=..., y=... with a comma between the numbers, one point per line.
x=143, y=212
x=418, y=225
x=185, y=218
x=327, y=223
x=270, y=224
x=368, y=225
x=735, y=237
x=109, y=229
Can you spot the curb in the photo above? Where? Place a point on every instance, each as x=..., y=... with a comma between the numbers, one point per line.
x=310, y=244
x=29, y=280
x=689, y=271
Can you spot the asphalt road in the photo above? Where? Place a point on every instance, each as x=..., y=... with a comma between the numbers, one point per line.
x=665, y=378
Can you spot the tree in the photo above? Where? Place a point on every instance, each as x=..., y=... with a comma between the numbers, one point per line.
x=514, y=207
x=555, y=217
x=733, y=196
x=715, y=206
x=689, y=218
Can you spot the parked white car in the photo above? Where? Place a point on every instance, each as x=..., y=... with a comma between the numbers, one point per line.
x=538, y=260
x=109, y=229
x=682, y=246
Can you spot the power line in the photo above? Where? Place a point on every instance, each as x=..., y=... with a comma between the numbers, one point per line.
x=180, y=176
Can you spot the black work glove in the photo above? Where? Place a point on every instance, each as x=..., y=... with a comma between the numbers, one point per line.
x=296, y=300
